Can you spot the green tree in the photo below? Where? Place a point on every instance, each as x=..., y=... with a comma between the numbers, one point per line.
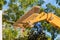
x=58, y=2
x=49, y=27
x=16, y=9
x=9, y=33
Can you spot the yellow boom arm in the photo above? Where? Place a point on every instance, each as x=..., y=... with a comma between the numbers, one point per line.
x=34, y=16
x=50, y=17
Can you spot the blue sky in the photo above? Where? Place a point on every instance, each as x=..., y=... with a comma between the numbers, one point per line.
x=6, y=6
x=44, y=5
x=50, y=1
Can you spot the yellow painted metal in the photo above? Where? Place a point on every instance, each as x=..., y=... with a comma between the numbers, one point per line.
x=41, y=16
x=27, y=16
x=50, y=17
x=34, y=16
x=54, y=20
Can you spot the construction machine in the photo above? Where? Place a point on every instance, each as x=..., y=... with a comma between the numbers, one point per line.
x=34, y=15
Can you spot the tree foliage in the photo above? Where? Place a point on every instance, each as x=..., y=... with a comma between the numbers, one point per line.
x=16, y=9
